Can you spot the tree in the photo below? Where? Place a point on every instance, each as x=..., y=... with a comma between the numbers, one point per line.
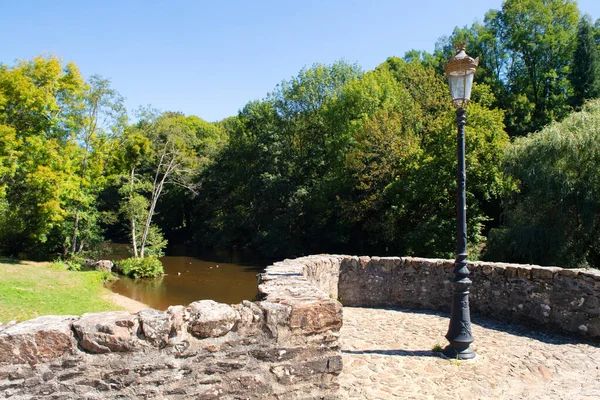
x=350, y=162
x=164, y=147
x=39, y=101
x=422, y=203
x=59, y=133
x=553, y=219
x=539, y=34
x=99, y=121
x=525, y=51
x=585, y=73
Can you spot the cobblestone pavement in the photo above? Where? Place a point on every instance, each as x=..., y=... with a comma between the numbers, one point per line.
x=388, y=354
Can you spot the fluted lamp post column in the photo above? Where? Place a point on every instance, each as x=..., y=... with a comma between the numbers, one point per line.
x=460, y=71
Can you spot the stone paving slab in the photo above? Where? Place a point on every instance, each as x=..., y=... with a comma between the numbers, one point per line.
x=388, y=354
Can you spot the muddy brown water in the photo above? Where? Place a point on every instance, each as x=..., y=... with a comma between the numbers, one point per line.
x=188, y=279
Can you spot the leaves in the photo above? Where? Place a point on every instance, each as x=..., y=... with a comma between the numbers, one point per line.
x=553, y=220
x=364, y=163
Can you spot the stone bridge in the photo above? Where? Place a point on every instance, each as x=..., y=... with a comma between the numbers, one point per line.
x=294, y=341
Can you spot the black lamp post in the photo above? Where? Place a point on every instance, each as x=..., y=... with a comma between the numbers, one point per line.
x=460, y=71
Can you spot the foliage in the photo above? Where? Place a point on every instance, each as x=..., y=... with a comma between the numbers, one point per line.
x=539, y=37
x=161, y=150
x=29, y=290
x=135, y=267
x=52, y=155
x=585, y=74
x=554, y=218
x=526, y=58
x=362, y=161
x=335, y=159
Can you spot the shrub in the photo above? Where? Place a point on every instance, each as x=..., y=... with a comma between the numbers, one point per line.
x=107, y=276
x=73, y=264
x=147, y=267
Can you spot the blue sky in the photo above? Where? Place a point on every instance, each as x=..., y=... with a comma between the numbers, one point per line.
x=210, y=58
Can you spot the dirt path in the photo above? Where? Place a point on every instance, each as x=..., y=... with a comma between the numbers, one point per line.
x=126, y=303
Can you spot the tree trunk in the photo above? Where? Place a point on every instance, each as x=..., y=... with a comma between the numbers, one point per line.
x=157, y=190
x=155, y=195
x=75, y=229
x=133, y=241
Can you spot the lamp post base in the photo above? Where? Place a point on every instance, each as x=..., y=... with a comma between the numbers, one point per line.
x=458, y=353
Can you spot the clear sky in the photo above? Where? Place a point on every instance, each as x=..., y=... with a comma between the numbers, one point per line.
x=209, y=58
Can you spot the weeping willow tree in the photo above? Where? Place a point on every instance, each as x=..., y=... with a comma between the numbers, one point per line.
x=554, y=218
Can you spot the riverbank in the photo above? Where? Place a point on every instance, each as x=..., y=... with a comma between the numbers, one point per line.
x=29, y=289
x=125, y=303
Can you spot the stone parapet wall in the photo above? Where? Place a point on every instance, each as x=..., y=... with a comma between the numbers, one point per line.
x=563, y=300
x=284, y=346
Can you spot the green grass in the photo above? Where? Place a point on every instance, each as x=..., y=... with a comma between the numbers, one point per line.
x=30, y=289
x=437, y=348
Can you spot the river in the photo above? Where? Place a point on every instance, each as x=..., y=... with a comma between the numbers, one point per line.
x=189, y=278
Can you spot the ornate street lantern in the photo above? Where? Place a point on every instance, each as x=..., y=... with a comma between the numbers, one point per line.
x=460, y=71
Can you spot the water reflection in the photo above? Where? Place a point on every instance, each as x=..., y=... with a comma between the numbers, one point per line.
x=189, y=279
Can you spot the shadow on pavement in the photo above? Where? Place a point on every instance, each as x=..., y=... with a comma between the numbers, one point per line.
x=545, y=335
x=402, y=353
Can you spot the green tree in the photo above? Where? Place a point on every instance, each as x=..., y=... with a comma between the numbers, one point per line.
x=539, y=36
x=350, y=162
x=98, y=123
x=59, y=131
x=39, y=102
x=554, y=218
x=422, y=203
x=585, y=73
x=270, y=187
x=160, y=150
x=526, y=56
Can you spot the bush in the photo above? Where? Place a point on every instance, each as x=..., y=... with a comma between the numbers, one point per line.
x=107, y=276
x=59, y=265
x=147, y=267
x=73, y=264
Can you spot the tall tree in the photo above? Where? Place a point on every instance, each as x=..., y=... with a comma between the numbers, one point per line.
x=39, y=102
x=99, y=122
x=163, y=150
x=525, y=51
x=539, y=34
x=585, y=72
x=554, y=219
x=356, y=163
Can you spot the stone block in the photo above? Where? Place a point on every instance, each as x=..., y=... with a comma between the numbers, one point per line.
x=38, y=340
x=252, y=318
x=568, y=273
x=364, y=261
x=524, y=271
x=543, y=273
x=207, y=318
x=591, y=274
x=313, y=317
x=113, y=331
x=155, y=326
x=511, y=271
x=487, y=269
x=276, y=315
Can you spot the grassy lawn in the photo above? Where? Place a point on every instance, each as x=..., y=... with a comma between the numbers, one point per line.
x=30, y=289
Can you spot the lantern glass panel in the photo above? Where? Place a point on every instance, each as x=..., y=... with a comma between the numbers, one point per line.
x=461, y=83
